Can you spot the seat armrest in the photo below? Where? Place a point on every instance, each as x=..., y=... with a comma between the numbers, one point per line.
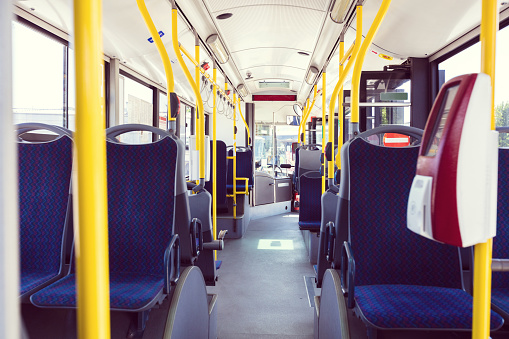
x=214, y=245
x=172, y=263
x=348, y=273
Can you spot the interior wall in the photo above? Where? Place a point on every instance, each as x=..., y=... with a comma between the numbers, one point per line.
x=269, y=111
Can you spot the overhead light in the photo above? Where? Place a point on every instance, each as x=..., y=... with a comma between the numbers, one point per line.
x=242, y=90
x=340, y=10
x=311, y=75
x=218, y=48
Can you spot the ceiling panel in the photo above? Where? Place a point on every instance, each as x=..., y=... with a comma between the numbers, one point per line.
x=252, y=58
x=222, y=5
x=271, y=26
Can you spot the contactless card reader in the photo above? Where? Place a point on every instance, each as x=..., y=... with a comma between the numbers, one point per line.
x=454, y=193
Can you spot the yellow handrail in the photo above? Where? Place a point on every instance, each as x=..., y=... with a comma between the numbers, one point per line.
x=170, y=82
x=355, y=51
x=174, y=38
x=202, y=71
x=197, y=79
x=344, y=57
x=305, y=115
x=359, y=61
x=234, y=158
x=245, y=123
x=483, y=252
x=92, y=261
x=214, y=159
x=341, y=117
x=324, y=110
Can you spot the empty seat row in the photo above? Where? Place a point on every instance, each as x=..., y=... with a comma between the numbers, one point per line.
x=393, y=278
x=144, y=249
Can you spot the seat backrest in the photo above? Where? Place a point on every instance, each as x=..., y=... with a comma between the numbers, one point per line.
x=221, y=165
x=310, y=197
x=385, y=251
x=308, y=161
x=501, y=241
x=141, y=204
x=44, y=188
x=244, y=165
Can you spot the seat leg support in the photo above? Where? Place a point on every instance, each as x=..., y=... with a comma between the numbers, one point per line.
x=138, y=326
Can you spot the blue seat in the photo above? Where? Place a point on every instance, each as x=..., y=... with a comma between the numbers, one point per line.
x=44, y=207
x=310, y=207
x=396, y=279
x=500, y=280
x=140, y=229
x=244, y=170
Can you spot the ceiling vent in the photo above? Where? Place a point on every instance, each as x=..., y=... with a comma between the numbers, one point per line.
x=273, y=84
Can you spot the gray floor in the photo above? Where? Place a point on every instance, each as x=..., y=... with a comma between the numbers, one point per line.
x=261, y=291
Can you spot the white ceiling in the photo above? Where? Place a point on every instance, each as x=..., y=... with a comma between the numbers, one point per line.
x=264, y=36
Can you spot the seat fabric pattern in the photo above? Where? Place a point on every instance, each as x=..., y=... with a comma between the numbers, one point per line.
x=500, y=280
x=127, y=291
x=385, y=251
x=244, y=169
x=140, y=224
x=44, y=182
x=404, y=306
x=310, y=207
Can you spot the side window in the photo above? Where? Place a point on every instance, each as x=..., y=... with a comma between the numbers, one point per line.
x=137, y=108
x=38, y=77
x=163, y=111
x=469, y=61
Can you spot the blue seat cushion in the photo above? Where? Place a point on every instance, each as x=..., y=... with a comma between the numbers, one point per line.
x=411, y=307
x=500, y=298
x=32, y=279
x=310, y=225
x=128, y=291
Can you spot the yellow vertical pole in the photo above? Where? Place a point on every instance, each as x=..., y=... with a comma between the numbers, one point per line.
x=234, y=158
x=356, y=75
x=170, y=82
x=340, y=106
x=214, y=157
x=92, y=206
x=324, y=121
x=197, y=80
x=483, y=252
x=304, y=113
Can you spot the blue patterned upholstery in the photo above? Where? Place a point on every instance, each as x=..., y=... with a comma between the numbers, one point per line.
x=402, y=280
x=244, y=169
x=127, y=291
x=310, y=207
x=221, y=165
x=500, y=280
x=141, y=190
x=404, y=306
x=44, y=183
x=380, y=181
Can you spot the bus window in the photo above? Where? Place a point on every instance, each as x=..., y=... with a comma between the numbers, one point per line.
x=469, y=61
x=137, y=102
x=38, y=77
x=163, y=111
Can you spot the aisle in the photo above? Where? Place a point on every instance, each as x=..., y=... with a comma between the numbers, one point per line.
x=261, y=286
